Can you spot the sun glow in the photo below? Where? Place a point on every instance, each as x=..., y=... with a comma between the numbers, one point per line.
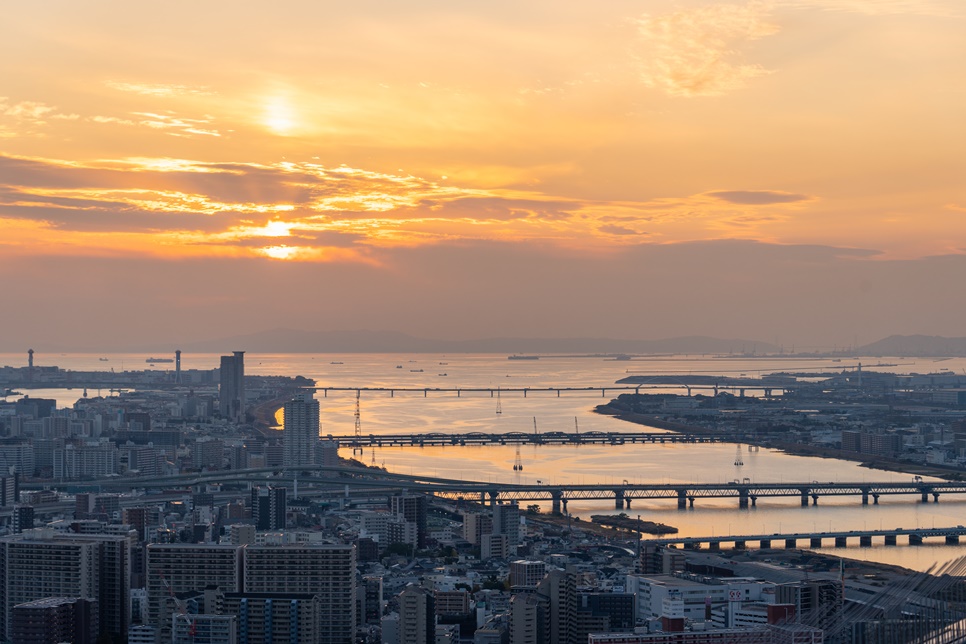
x=279, y=117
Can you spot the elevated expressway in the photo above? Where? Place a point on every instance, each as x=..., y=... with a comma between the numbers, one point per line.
x=378, y=483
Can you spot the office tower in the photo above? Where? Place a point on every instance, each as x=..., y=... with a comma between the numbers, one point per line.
x=38, y=564
x=506, y=520
x=54, y=620
x=177, y=367
x=417, y=616
x=527, y=573
x=271, y=617
x=414, y=508
x=301, y=434
x=231, y=389
x=184, y=567
x=268, y=507
x=23, y=518
x=326, y=570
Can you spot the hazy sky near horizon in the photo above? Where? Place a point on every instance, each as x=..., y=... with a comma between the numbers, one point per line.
x=784, y=170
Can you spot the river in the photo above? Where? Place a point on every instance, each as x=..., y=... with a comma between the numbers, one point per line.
x=445, y=412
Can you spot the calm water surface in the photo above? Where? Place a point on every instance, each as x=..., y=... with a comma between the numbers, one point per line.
x=445, y=412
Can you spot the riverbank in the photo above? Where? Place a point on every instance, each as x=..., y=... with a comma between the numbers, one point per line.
x=796, y=449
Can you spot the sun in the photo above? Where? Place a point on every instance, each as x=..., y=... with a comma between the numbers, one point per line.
x=279, y=117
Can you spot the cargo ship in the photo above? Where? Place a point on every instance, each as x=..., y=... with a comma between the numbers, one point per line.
x=518, y=356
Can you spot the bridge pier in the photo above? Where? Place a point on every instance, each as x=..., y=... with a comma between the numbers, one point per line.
x=915, y=540
x=764, y=543
x=935, y=497
x=865, y=541
x=865, y=497
x=791, y=544
x=754, y=500
x=618, y=499
x=564, y=502
x=952, y=539
x=804, y=498
x=814, y=499
x=742, y=498
x=841, y=542
x=875, y=499
x=627, y=502
x=925, y=496
x=890, y=540
x=691, y=502
x=714, y=546
x=555, y=502
x=740, y=545
x=493, y=495
x=815, y=542
x=768, y=393
x=682, y=499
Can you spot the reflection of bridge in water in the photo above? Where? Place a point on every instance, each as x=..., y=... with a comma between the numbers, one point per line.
x=522, y=438
x=815, y=539
x=622, y=493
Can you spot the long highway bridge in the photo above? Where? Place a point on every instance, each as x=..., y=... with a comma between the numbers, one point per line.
x=766, y=387
x=521, y=438
x=746, y=492
x=840, y=538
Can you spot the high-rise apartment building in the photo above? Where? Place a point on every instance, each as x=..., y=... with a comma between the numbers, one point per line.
x=38, y=564
x=268, y=507
x=271, y=617
x=326, y=570
x=506, y=521
x=417, y=616
x=301, y=434
x=54, y=620
x=414, y=508
x=184, y=567
x=231, y=389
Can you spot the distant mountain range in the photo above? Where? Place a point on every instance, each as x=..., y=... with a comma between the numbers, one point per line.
x=923, y=346
x=297, y=341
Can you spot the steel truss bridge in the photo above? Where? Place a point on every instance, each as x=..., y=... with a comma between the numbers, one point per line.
x=623, y=493
x=522, y=438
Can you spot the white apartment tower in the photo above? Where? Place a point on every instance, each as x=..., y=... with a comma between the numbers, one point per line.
x=301, y=434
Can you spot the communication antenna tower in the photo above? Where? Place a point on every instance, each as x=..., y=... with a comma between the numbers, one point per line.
x=358, y=416
x=499, y=405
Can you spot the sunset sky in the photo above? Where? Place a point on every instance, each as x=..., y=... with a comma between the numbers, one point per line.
x=790, y=171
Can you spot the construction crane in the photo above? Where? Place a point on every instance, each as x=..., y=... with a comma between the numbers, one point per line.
x=182, y=609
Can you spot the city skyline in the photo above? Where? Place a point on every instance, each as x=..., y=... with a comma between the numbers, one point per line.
x=785, y=171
